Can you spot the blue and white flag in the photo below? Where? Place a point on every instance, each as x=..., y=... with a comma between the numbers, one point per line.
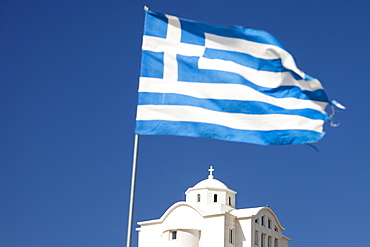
x=229, y=83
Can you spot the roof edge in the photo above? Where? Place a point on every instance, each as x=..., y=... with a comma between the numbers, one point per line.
x=168, y=211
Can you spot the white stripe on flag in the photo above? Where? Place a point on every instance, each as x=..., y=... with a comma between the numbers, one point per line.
x=232, y=120
x=264, y=51
x=156, y=44
x=224, y=91
x=231, y=89
x=259, y=77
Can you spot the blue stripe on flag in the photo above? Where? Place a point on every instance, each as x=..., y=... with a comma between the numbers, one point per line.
x=266, y=69
x=189, y=72
x=193, y=33
x=272, y=65
x=193, y=129
x=231, y=106
x=155, y=24
x=155, y=59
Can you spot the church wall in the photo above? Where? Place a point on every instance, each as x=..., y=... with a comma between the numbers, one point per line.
x=192, y=197
x=183, y=217
x=268, y=230
x=150, y=236
x=221, y=196
x=207, y=197
x=213, y=232
x=244, y=229
x=229, y=230
x=184, y=238
x=284, y=243
x=232, y=196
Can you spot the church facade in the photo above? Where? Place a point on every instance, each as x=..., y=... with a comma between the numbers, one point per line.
x=208, y=218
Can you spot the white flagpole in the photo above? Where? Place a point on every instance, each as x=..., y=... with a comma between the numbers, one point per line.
x=132, y=195
x=133, y=183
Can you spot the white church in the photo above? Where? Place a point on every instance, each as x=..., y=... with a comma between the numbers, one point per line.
x=208, y=218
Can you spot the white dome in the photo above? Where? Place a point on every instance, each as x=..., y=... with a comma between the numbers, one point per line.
x=211, y=195
x=210, y=183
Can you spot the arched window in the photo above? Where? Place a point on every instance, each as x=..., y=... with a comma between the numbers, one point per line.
x=229, y=200
x=198, y=198
x=215, y=198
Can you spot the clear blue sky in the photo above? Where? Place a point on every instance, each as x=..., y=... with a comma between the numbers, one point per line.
x=68, y=91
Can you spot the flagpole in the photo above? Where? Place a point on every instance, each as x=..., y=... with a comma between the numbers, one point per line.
x=132, y=193
x=133, y=184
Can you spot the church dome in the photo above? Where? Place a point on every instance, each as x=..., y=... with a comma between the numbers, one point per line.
x=210, y=183
x=211, y=194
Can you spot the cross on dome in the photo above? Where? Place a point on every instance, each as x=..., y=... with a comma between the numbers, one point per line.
x=211, y=170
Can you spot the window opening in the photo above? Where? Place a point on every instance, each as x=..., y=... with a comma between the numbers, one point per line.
x=268, y=223
x=256, y=237
x=276, y=243
x=198, y=197
x=215, y=198
x=231, y=237
x=269, y=241
x=262, y=240
x=263, y=220
x=174, y=235
x=229, y=200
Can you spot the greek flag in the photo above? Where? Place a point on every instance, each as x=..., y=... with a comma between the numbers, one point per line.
x=229, y=83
